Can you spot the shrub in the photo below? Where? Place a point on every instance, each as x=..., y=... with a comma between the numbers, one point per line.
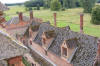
x=30, y=8
x=88, y=5
x=26, y=9
x=63, y=9
x=26, y=62
x=95, y=15
x=38, y=7
x=35, y=8
x=17, y=12
x=55, y=5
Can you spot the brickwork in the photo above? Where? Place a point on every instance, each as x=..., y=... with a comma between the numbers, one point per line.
x=55, y=19
x=16, y=61
x=81, y=23
x=31, y=15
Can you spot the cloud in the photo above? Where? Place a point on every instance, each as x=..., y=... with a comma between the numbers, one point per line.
x=12, y=1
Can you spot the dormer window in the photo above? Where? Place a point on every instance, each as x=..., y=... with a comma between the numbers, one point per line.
x=44, y=40
x=33, y=31
x=68, y=48
x=47, y=38
x=64, y=51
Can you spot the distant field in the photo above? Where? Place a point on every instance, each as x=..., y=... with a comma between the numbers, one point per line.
x=69, y=17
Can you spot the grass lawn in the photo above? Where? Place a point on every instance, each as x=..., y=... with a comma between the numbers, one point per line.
x=69, y=17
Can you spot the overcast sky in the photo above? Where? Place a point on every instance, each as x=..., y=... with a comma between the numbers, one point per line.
x=13, y=1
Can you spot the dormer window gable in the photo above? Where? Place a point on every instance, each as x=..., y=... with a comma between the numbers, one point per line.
x=33, y=31
x=47, y=38
x=68, y=49
x=71, y=43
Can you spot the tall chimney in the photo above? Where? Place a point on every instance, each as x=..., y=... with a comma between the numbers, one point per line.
x=31, y=15
x=20, y=16
x=55, y=19
x=97, y=61
x=81, y=23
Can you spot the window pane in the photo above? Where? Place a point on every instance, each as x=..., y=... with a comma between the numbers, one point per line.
x=65, y=51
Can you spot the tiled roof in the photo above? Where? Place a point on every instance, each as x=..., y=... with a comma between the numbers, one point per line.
x=43, y=28
x=87, y=45
x=71, y=43
x=15, y=20
x=9, y=47
x=18, y=31
x=3, y=7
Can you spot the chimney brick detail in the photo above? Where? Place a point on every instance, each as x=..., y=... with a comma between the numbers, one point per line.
x=31, y=15
x=20, y=16
x=81, y=23
x=55, y=19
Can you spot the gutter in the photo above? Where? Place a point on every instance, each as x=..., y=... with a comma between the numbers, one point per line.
x=42, y=56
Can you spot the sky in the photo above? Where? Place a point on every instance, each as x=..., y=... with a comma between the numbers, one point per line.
x=13, y=1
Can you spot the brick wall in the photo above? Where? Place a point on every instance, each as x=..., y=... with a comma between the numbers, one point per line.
x=16, y=61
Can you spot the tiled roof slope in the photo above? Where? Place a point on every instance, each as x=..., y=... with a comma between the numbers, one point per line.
x=15, y=20
x=3, y=7
x=18, y=31
x=9, y=47
x=87, y=45
x=43, y=27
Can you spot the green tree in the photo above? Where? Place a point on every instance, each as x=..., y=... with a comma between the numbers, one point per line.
x=95, y=15
x=69, y=3
x=88, y=5
x=38, y=7
x=33, y=3
x=55, y=5
x=47, y=3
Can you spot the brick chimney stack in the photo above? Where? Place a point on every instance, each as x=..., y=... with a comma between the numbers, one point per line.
x=98, y=52
x=97, y=61
x=81, y=23
x=31, y=15
x=55, y=19
x=20, y=16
